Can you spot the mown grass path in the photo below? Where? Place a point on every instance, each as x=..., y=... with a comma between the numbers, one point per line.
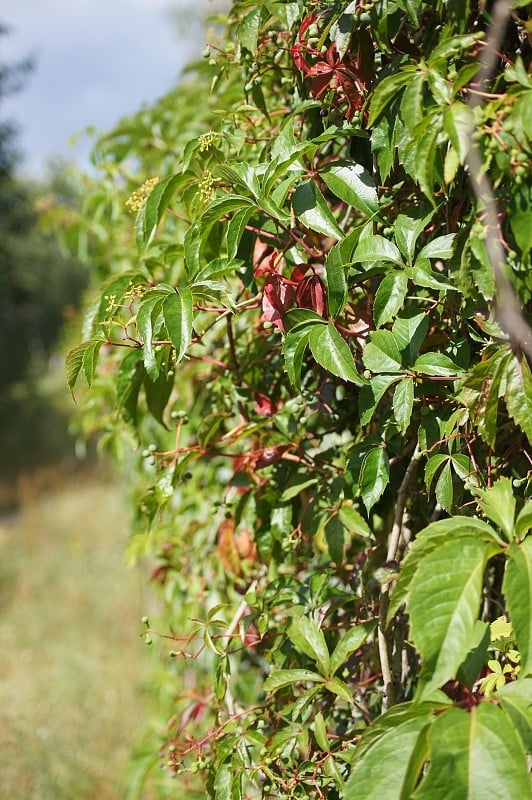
x=71, y=660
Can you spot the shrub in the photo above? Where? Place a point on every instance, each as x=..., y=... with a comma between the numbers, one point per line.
x=321, y=352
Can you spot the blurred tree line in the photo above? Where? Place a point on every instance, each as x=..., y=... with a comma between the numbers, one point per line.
x=40, y=288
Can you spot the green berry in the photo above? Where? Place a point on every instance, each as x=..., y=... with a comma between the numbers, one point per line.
x=207, y=52
x=145, y=620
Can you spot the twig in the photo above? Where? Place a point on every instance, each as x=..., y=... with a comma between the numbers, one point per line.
x=393, y=545
x=508, y=310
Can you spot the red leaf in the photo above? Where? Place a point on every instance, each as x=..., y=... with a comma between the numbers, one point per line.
x=305, y=25
x=277, y=298
x=311, y=294
x=264, y=405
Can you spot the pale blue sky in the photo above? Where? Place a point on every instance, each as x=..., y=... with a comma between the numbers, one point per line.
x=96, y=60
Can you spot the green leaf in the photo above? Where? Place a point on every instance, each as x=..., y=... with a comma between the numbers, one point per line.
x=221, y=206
x=381, y=353
x=332, y=352
x=389, y=297
x=248, y=30
x=335, y=537
x=409, y=331
x=498, y=504
x=340, y=689
x=459, y=123
x=425, y=158
x=377, y=248
x=436, y=364
x=177, y=313
x=236, y=228
x=350, y=643
x=374, y=476
x=421, y=275
x=343, y=27
x=432, y=466
x=441, y=247
x=336, y=281
x=384, y=93
x=430, y=539
x=286, y=677
x=294, y=346
x=516, y=700
x=523, y=522
x=521, y=225
x=156, y=204
x=158, y=391
x=443, y=606
x=296, y=485
x=305, y=634
x=130, y=377
x=383, y=769
x=444, y=488
x=311, y=208
x=371, y=395
x=147, y=315
x=408, y=229
x=354, y=522
x=353, y=184
x=518, y=393
x=517, y=588
x=320, y=732
x=83, y=356
x=412, y=106
x=403, y=403
x=474, y=755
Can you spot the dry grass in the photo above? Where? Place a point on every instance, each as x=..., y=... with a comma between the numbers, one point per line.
x=71, y=660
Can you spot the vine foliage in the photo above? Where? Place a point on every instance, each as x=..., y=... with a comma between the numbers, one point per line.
x=296, y=340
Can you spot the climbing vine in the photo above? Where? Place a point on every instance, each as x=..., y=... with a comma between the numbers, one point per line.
x=310, y=337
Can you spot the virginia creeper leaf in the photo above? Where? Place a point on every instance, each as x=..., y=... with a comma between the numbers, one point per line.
x=389, y=297
x=517, y=588
x=311, y=208
x=403, y=403
x=332, y=352
x=177, y=313
x=374, y=476
x=285, y=677
x=353, y=184
x=474, y=755
x=377, y=248
x=305, y=634
x=383, y=768
x=350, y=643
x=443, y=607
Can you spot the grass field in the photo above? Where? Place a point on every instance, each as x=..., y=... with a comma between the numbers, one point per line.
x=72, y=663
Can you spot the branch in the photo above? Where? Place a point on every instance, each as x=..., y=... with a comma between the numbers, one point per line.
x=508, y=311
x=393, y=545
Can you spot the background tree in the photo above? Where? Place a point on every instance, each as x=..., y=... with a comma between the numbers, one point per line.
x=40, y=287
x=300, y=335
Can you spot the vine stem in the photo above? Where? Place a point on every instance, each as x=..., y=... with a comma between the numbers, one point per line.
x=393, y=547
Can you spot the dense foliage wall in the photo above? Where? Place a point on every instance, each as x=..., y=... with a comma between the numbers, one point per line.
x=312, y=329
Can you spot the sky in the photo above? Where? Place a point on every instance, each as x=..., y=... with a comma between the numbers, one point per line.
x=95, y=61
